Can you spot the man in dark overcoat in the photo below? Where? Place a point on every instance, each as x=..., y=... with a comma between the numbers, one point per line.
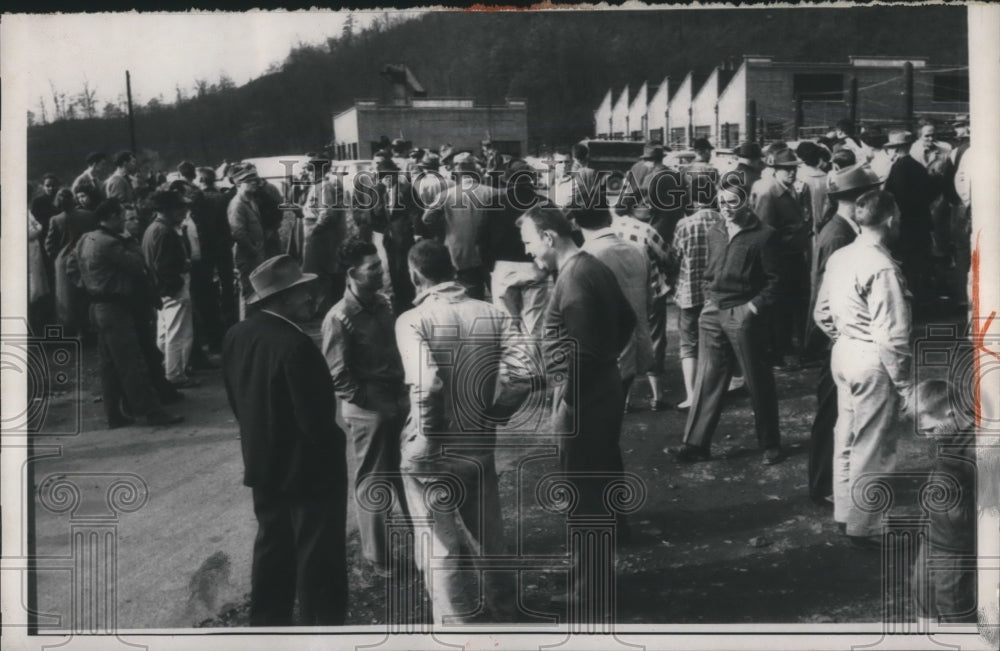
x=281, y=392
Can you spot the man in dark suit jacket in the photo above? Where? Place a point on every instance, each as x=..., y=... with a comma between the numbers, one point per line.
x=281, y=392
x=911, y=187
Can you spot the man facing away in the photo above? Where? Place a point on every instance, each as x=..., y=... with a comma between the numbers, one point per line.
x=167, y=255
x=448, y=343
x=281, y=393
x=844, y=187
x=359, y=343
x=741, y=282
x=863, y=307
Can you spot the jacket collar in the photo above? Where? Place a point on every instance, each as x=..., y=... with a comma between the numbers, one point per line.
x=450, y=291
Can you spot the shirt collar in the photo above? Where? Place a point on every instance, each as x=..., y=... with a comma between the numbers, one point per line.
x=447, y=286
x=286, y=320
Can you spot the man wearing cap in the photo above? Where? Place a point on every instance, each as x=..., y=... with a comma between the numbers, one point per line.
x=167, y=253
x=282, y=395
x=786, y=206
x=325, y=218
x=247, y=231
x=741, y=281
x=397, y=217
x=909, y=184
x=863, y=307
x=459, y=214
x=653, y=192
x=429, y=185
x=701, y=177
x=749, y=162
x=844, y=187
x=217, y=250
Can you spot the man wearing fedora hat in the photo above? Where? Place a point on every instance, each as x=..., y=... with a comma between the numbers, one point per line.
x=701, y=177
x=653, y=192
x=282, y=395
x=909, y=184
x=785, y=205
x=844, y=186
x=167, y=253
x=247, y=230
x=749, y=162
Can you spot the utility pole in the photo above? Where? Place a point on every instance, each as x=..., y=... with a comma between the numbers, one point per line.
x=131, y=114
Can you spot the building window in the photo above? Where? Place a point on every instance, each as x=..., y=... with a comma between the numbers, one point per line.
x=730, y=134
x=703, y=132
x=678, y=137
x=618, y=135
x=774, y=131
x=951, y=88
x=825, y=87
x=637, y=135
x=656, y=134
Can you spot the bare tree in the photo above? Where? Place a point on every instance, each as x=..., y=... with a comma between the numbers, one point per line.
x=180, y=93
x=31, y=118
x=226, y=82
x=201, y=87
x=87, y=99
x=41, y=110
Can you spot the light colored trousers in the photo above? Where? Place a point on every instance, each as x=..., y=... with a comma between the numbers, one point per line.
x=175, y=332
x=449, y=558
x=521, y=289
x=864, y=439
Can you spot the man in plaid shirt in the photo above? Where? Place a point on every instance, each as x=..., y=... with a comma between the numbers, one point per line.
x=690, y=253
x=643, y=236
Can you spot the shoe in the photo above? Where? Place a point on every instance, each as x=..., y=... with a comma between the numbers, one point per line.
x=689, y=453
x=159, y=417
x=683, y=406
x=736, y=383
x=773, y=455
x=659, y=405
x=120, y=421
x=186, y=383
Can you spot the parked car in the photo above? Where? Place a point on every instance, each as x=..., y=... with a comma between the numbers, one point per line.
x=615, y=157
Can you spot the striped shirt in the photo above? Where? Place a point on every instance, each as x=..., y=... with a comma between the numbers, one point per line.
x=690, y=251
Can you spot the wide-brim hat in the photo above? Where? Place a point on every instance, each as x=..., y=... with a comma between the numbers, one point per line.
x=701, y=144
x=782, y=158
x=652, y=152
x=276, y=275
x=244, y=174
x=898, y=139
x=853, y=178
x=430, y=161
x=748, y=150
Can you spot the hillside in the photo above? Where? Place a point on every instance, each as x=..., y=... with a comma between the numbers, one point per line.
x=562, y=63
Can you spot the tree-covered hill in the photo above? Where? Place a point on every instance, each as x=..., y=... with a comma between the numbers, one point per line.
x=562, y=63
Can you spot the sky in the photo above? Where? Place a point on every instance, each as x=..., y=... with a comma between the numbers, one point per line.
x=164, y=50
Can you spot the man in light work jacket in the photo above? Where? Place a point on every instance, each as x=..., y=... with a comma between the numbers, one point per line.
x=742, y=281
x=864, y=308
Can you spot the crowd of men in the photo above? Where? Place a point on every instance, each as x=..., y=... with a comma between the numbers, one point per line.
x=812, y=253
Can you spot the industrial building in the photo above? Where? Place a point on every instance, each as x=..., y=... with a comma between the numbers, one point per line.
x=764, y=99
x=427, y=122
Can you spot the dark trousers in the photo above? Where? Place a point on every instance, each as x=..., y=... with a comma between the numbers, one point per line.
x=299, y=551
x=398, y=242
x=123, y=369
x=145, y=325
x=821, y=438
x=229, y=299
x=658, y=333
x=788, y=316
x=474, y=281
x=205, y=307
x=723, y=333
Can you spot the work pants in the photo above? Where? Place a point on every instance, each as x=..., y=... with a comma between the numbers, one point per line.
x=175, y=332
x=522, y=290
x=821, y=438
x=398, y=242
x=374, y=431
x=450, y=559
x=723, y=333
x=123, y=369
x=205, y=299
x=864, y=438
x=589, y=429
x=299, y=551
x=944, y=583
